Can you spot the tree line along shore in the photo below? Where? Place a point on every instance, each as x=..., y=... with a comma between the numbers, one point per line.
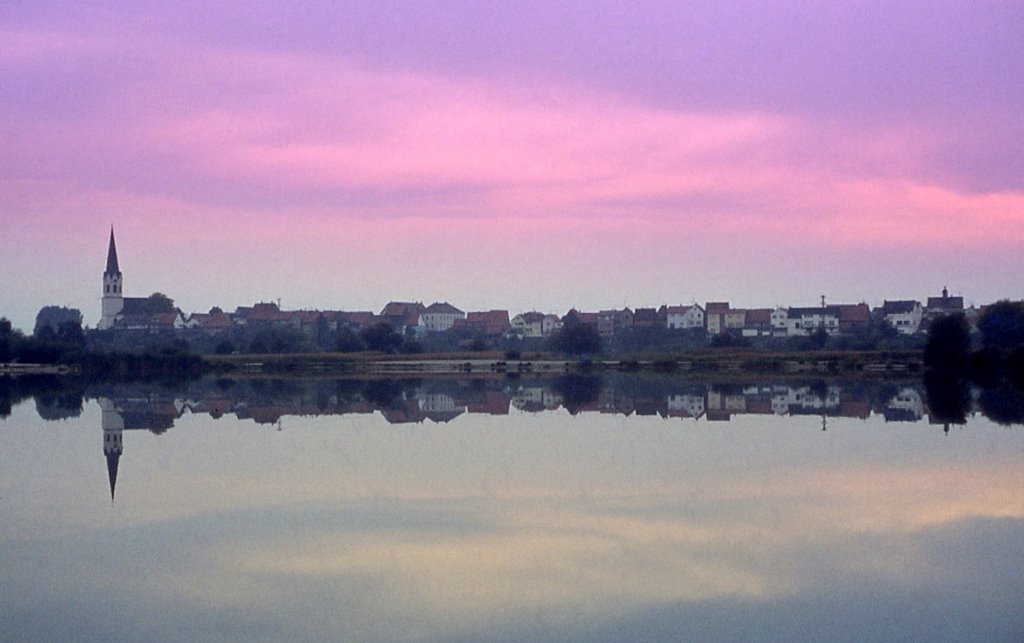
x=991, y=350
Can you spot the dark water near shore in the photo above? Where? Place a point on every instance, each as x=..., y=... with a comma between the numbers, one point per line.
x=576, y=508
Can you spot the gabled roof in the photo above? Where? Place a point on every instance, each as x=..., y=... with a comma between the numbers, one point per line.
x=811, y=311
x=163, y=319
x=854, y=312
x=946, y=303
x=642, y=315
x=495, y=322
x=211, y=321
x=899, y=306
x=267, y=312
x=714, y=307
x=759, y=315
x=357, y=318
x=402, y=313
x=134, y=306
x=682, y=310
x=401, y=308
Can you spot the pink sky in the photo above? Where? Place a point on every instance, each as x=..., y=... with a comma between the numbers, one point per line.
x=340, y=155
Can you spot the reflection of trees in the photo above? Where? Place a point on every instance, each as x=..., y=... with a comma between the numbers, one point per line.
x=383, y=393
x=577, y=391
x=1002, y=405
x=948, y=397
x=59, y=406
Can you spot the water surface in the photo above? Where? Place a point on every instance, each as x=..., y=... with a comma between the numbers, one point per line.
x=577, y=509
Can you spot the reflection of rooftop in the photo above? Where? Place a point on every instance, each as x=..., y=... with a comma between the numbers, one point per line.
x=398, y=401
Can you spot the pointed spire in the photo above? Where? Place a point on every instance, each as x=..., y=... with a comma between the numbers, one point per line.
x=112, y=460
x=112, y=268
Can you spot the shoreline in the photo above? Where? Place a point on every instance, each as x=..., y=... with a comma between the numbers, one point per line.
x=868, y=364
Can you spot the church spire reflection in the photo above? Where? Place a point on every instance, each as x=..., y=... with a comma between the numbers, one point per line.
x=113, y=445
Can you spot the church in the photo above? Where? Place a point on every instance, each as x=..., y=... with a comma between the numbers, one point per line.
x=130, y=313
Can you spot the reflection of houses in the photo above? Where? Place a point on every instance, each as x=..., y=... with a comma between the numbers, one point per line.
x=536, y=398
x=491, y=403
x=803, y=400
x=117, y=416
x=403, y=412
x=721, y=405
x=905, y=406
x=440, y=407
x=686, y=406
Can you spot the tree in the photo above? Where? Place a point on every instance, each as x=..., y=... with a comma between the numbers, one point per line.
x=54, y=316
x=576, y=338
x=158, y=303
x=6, y=340
x=70, y=332
x=949, y=343
x=382, y=338
x=348, y=342
x=1002, y=324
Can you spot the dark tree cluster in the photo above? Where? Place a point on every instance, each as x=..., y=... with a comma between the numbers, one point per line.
x=1000, y=359
x=575, y=338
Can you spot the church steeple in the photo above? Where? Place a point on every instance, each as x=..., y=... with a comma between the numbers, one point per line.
x=112, y=268
x=113, y=299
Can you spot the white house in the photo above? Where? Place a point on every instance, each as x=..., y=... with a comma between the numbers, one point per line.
x=685, y=317
x=549, y=324
x=904, y=315
x=804, y=321
x=439, y=317
x=528, y=324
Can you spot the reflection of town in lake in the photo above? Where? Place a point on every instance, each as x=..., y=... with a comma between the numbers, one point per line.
x=272, y=402
x=444, y=400
x=584, y=507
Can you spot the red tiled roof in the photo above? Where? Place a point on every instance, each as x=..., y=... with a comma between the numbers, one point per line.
x=854, y=312
x=495, y=322
x=759, y=315
x=358, y=318
x=266, y=312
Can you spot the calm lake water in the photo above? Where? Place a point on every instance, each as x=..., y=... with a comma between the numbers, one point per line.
x=575, y=509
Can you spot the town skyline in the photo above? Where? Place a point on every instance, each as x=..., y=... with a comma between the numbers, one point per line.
x=531, y=157
x=126, y=312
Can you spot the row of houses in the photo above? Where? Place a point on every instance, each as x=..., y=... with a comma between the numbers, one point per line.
x=715, y=318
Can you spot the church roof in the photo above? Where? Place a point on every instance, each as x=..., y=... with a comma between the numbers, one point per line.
x=112, y=268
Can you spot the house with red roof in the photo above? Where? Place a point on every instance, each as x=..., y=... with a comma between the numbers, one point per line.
x=683, y=317
x=439, y=317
